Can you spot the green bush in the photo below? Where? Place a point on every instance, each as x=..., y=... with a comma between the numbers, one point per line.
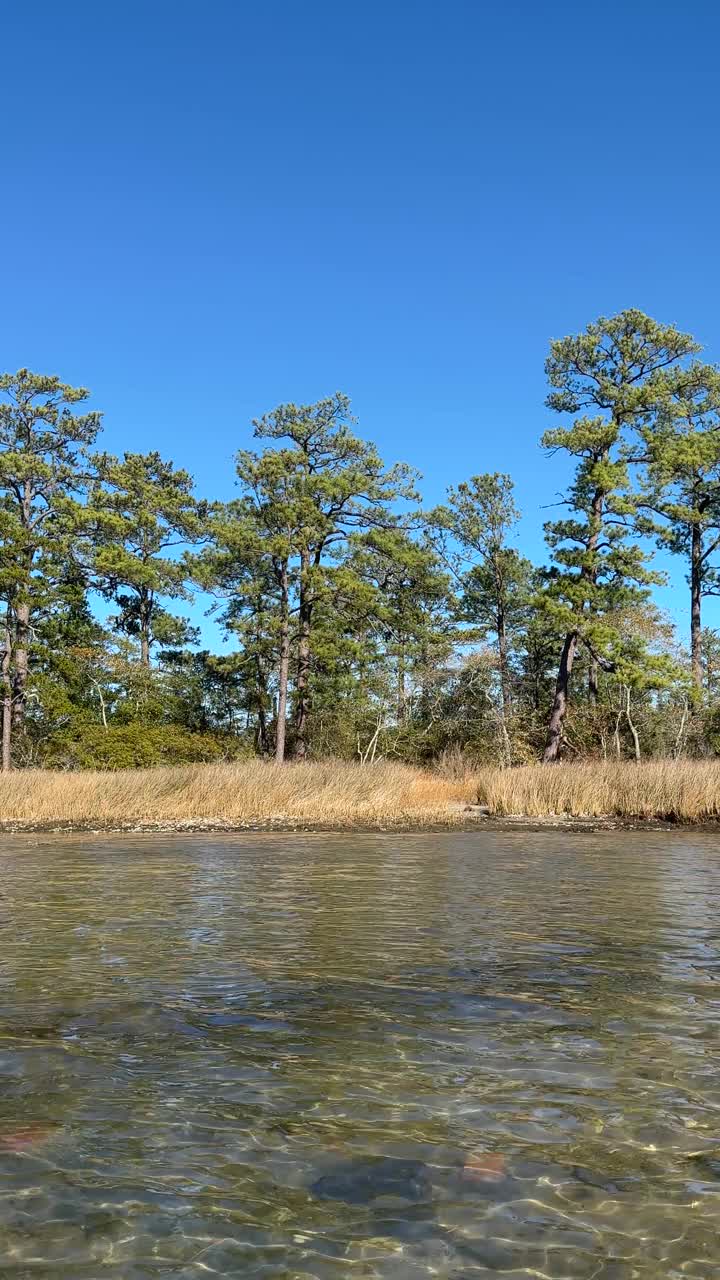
x=138, y=746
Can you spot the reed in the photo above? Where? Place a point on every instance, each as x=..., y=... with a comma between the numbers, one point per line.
x=677, y=790
x=339, y=794
x=330, y=794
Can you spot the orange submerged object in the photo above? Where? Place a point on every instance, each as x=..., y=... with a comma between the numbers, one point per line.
x=487, y=1166
x=26, y=1136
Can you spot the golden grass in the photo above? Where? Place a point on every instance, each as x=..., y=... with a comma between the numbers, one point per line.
x=326, y=794
x=337, y=794
x=680, y=790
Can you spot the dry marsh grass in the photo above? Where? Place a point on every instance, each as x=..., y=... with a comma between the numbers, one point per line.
x=677, y=790
x=253, y=792
x=336, y=794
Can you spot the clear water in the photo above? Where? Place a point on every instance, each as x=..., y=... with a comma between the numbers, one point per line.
x=373, y=1055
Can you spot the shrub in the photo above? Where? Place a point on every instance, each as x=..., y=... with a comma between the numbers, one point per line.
x=136, y=746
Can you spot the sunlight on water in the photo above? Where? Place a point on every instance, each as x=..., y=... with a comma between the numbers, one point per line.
x=374, y=1056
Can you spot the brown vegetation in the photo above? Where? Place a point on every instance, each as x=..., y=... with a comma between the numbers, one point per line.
x=678, y=790
x=342, y=795
x=253, y=792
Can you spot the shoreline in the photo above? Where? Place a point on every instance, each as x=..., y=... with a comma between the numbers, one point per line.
x=340, y=796
x=432, y=825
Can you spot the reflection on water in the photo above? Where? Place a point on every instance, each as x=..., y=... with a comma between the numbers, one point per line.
x=377, y=1056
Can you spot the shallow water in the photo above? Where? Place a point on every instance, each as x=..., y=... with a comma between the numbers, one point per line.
x=374, y=1055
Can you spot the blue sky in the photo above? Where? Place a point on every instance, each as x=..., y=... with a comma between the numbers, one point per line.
x=212, y=208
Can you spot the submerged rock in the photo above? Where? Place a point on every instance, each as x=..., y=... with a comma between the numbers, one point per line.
x=708, y=1165
x=372, y=1178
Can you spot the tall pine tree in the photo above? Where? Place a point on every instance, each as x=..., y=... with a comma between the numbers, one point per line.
x=43, y=467
x=624, y=370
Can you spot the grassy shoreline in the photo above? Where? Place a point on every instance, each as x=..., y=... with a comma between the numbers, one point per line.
x=232, y=796
x=342, y=796
x=680, y=791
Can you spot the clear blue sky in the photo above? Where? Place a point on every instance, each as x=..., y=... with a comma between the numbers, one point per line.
x=210, y=208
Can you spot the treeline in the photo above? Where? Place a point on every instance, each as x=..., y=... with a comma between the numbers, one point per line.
x=363, y=626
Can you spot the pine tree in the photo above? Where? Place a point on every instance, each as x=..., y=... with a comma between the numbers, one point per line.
x=480, y=515
x=141, y=514
x=43, y=465
x=681, y=499
x=627, y=368
x=336, y=484
x=407, y=615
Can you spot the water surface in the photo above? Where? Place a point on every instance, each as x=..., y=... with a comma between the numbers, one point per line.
x=378, y=1056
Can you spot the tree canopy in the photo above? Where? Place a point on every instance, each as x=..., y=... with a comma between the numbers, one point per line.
x=356, y=622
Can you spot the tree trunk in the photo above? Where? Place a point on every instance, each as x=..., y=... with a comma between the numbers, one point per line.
x=680, y=739
x=262, y=733
x=7, y=705
x=505, y=697
x=401, y=712
x=284, y=666
x=593, y=679
x=22, y=624
x=103, y=705
x=588, y=573
x=560, y=701
x=537, y=675
x=616, y=735
x=631, y=726
x=145, y=620
x=302, y=709
x=20, y=676
x=696, y=609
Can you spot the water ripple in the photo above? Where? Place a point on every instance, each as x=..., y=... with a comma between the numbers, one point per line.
x=382, y=1056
